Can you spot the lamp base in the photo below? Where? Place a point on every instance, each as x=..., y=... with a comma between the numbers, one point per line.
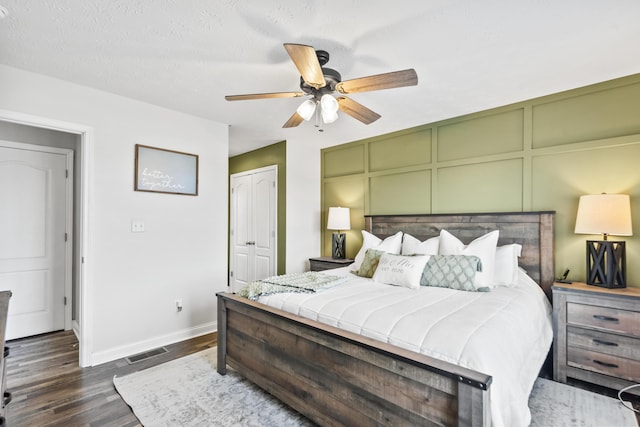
x=606, y=264
x=338, y=244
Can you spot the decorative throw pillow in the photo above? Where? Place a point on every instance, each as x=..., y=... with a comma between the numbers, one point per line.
x=483, y=247
x=506, y=265
x=370, y=263
x=413, y=246
x=453, y=271
x=391, y=244
x=400, y=270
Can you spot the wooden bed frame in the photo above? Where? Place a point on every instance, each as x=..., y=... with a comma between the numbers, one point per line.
x=340, y=378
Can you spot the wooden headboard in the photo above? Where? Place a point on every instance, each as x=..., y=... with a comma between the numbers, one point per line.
x=533, y=230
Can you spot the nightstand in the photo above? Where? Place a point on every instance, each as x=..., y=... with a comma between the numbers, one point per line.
x=326, y=263
x=596, y=335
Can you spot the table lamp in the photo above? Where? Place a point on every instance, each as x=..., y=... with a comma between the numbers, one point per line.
x=605, y=214
x=338, y=220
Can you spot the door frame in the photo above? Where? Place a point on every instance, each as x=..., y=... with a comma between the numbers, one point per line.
x=68, y=217
x=273, y=168
x=84, y=253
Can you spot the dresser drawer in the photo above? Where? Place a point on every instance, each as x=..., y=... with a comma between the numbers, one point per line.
x=321, y=266
x=603, y=342
x=604, y=318
x=606, y=364
x=326, y=263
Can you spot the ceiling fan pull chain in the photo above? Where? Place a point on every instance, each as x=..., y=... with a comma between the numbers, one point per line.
x=319, y=121
x=317, y=115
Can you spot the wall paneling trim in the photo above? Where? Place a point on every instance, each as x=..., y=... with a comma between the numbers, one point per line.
x=539, y=154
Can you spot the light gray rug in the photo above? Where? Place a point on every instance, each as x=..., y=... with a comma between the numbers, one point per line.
x=554, y=404
x=189, y=392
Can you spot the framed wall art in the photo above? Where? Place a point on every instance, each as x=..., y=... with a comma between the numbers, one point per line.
x=159, y=170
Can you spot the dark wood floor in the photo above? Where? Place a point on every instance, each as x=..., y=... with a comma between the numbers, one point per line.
x=49, y=389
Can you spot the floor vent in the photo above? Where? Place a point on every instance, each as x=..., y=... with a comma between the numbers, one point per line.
x=145, y=355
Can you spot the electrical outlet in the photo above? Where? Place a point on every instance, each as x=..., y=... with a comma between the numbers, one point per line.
x=137, y=226
x=178, y=305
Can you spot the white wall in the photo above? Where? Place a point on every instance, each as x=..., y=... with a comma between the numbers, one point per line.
x=136, y=278
x=303, y=204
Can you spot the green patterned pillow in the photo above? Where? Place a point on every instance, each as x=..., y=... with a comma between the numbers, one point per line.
x=453, y=271
x=369, y=263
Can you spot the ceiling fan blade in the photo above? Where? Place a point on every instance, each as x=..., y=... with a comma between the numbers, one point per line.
x=379, y=81
x=307, y=63
x=293, y=121
x=264, y=96
x=357, y=110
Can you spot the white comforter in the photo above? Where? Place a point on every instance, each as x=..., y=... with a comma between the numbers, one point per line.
x=505, y=333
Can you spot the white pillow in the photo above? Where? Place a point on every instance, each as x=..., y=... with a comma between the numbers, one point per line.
x=413, y=246
x=391, y=244
x=506, y=265
x=484, y=247
x=401, y=270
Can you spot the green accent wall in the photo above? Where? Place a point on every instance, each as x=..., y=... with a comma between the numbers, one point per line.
x=275, y=154
x=539, y=154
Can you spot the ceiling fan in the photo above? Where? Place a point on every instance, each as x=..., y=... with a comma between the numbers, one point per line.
x=321, y=82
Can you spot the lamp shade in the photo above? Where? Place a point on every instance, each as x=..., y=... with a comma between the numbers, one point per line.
x=306, y=109
x=604, y=214
x=329, y=107
x=339, y=219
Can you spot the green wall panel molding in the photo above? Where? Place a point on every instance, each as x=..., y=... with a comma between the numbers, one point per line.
x=401, y=193
x=559, y=181
x=480, y=187
x=347, y=193
x=412, y=149
x=601, y=114
x=275, y=154
x=540, y=154
x=481, y=136
x=344, y=161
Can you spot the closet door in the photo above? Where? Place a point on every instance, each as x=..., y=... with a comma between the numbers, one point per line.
x=240, y=250
x=253, y=219
x=264, y=221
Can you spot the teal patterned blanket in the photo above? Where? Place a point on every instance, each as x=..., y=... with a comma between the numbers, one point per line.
x=308, y=282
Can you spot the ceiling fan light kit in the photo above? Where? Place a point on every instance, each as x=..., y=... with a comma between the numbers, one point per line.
x=321, y=82
x=329, y=107
x=306, y=109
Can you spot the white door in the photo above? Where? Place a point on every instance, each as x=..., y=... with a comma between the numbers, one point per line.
x=241, y=231
x=253, y=222
x=33, y=247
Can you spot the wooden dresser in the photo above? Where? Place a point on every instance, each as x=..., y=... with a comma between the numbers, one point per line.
x=596, y=335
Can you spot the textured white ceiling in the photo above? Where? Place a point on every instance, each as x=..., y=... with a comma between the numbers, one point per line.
x=187, y=54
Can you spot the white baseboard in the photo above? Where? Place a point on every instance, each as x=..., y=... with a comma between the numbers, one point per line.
x=75, y=326
x=146, y=345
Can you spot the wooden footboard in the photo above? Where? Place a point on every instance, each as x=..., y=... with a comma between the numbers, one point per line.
x=339, y=378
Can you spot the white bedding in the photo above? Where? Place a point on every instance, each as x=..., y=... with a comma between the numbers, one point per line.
x=505, y=333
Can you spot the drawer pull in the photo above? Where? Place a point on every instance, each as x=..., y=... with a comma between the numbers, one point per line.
x=607, y=343
x=605, y=364
x=605, y=318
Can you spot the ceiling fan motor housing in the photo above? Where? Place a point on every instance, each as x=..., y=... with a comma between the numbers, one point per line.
x=331, y=77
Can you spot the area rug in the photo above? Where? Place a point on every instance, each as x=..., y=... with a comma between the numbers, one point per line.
x=555, y=404
x=189, y=392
